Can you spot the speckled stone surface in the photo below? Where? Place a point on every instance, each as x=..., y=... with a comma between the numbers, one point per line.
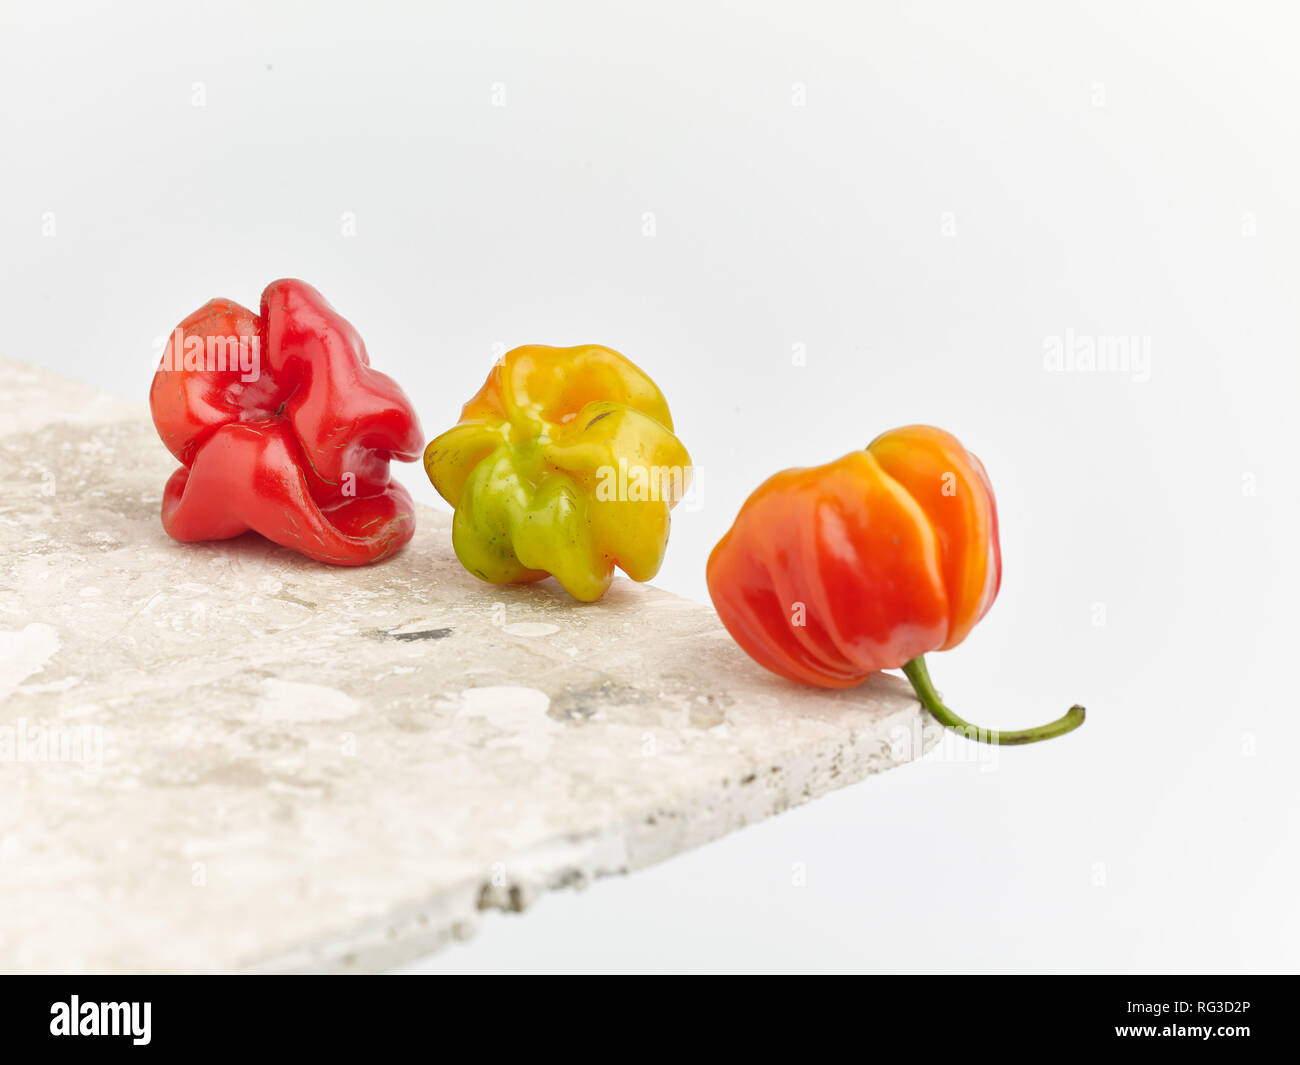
x=228, y=757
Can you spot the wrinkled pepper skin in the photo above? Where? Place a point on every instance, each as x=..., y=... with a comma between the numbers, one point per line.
x=835, y=572
x=297, y=448
x=564, y=464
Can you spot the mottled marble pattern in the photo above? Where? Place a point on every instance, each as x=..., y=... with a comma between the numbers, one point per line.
x=226, y=756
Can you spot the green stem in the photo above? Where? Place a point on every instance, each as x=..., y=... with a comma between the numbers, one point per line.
x=920, y=677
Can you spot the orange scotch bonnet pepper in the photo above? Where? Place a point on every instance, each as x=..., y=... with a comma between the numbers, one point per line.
x=868, y=563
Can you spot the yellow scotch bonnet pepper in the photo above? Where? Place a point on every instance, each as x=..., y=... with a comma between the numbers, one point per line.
x=564, y=464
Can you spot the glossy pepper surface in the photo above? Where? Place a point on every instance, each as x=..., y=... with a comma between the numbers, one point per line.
x=282, y=427
x=835, y=572
x=563, y=464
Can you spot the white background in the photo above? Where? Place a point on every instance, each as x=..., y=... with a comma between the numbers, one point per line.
x=916, y=197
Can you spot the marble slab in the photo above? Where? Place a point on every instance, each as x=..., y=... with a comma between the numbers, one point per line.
x=227, y=757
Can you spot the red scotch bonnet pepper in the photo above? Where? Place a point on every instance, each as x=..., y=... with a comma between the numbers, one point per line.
x=835, y=572
x=282, y=427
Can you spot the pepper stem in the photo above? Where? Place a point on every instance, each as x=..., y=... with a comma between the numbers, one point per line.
x=919, y=675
